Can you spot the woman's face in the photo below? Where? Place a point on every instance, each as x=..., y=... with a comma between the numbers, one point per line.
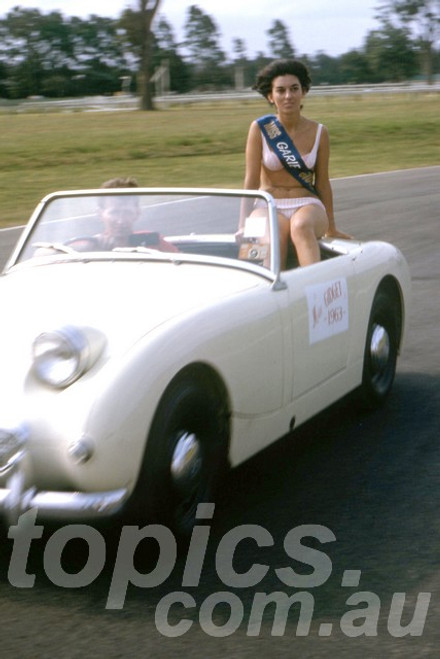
x=287, y=93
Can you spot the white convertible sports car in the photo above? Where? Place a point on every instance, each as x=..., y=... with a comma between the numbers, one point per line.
x=136, y=367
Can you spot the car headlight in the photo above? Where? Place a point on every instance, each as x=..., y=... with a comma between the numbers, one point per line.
x=61, y=356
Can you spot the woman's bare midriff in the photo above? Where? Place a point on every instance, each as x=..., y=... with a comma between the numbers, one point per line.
x=290, y=192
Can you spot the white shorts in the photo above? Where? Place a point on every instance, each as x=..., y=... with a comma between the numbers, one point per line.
x=289, y=206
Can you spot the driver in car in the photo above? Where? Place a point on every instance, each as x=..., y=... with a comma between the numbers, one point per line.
x=118, y=215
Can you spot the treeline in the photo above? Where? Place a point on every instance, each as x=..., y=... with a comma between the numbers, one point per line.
x=54, y=55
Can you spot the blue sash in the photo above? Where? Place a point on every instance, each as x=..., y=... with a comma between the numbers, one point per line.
x=286, y=151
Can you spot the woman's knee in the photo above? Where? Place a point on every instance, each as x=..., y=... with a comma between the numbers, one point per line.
x=301, y=227
x=313, y=221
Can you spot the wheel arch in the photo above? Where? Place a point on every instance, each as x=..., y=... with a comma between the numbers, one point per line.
x=206, y=374
x=207, y=379
x=392, y=289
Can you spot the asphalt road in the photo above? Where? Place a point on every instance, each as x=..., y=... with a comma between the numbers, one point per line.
x=367, y=484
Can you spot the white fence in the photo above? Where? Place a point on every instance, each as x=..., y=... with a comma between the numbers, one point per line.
x=122, y=102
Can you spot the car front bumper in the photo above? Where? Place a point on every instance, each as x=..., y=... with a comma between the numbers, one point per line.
x=16, y=499
x=18, y=493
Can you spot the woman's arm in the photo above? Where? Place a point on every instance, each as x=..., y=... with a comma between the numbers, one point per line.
x=323, y=185
x=254, y=147
x=253, y=169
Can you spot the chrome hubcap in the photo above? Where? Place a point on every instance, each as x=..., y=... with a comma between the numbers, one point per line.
x=186, y=461
x=379, y=348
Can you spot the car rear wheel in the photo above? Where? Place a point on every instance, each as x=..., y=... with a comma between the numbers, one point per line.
x=381, y=349
x=186, y=453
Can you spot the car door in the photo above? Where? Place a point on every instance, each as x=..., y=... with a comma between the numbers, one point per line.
x=321, y=303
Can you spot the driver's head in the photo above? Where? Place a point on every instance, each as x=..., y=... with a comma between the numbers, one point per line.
x=119, y=212
x=121, y=182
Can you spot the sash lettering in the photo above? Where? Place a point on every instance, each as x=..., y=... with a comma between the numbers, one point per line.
x=286, y=151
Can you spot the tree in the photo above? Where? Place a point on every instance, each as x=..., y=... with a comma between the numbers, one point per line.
x=137, y=27
x=323, y=69
x=3, y=80
x=422, y=17
x=148, y=9
x=354, y=69
x=56, y=56
x=390, y=54
x=36, y=47
x=166, y=51
x=99, y=56
x=202, y=42
x=244, y=69
x=164, y=35
x=22, y=47
x=279, y=41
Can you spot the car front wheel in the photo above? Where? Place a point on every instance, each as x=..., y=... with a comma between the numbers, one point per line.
x=186, y=453
x=381, y=349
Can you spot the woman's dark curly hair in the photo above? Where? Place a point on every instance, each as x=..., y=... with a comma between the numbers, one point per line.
x=281, y=67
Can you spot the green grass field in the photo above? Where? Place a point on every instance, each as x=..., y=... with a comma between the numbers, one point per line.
x=199, y=145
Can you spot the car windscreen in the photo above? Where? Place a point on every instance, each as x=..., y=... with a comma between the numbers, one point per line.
x=212, y=225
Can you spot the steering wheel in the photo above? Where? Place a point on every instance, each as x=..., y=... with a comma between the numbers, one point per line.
x=84, y=243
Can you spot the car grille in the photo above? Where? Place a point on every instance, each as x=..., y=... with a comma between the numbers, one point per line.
x=11, y=447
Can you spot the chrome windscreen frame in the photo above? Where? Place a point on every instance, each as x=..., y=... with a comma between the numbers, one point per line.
x=273, y=272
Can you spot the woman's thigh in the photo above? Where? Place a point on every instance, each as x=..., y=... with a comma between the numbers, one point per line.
x=309, y=217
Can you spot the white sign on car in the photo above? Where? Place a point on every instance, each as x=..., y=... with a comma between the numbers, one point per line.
x=328, y=309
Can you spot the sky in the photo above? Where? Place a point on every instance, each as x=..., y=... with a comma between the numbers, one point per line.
x=331, y=26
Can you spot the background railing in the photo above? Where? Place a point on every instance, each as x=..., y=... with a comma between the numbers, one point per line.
x=131, y=102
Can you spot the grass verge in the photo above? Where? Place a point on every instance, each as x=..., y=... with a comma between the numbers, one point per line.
x=199, y=145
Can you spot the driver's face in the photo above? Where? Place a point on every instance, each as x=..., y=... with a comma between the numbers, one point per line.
x=119, y=215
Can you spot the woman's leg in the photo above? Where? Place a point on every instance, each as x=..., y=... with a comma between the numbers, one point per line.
x=284, y=234
x=307, y=224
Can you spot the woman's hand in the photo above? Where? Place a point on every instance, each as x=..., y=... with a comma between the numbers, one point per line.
x=333, y=232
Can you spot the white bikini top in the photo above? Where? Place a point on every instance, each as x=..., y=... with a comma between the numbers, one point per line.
x=272, y=162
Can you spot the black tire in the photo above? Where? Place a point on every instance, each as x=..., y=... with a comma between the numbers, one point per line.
x=186, y=453
x=381, y=350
